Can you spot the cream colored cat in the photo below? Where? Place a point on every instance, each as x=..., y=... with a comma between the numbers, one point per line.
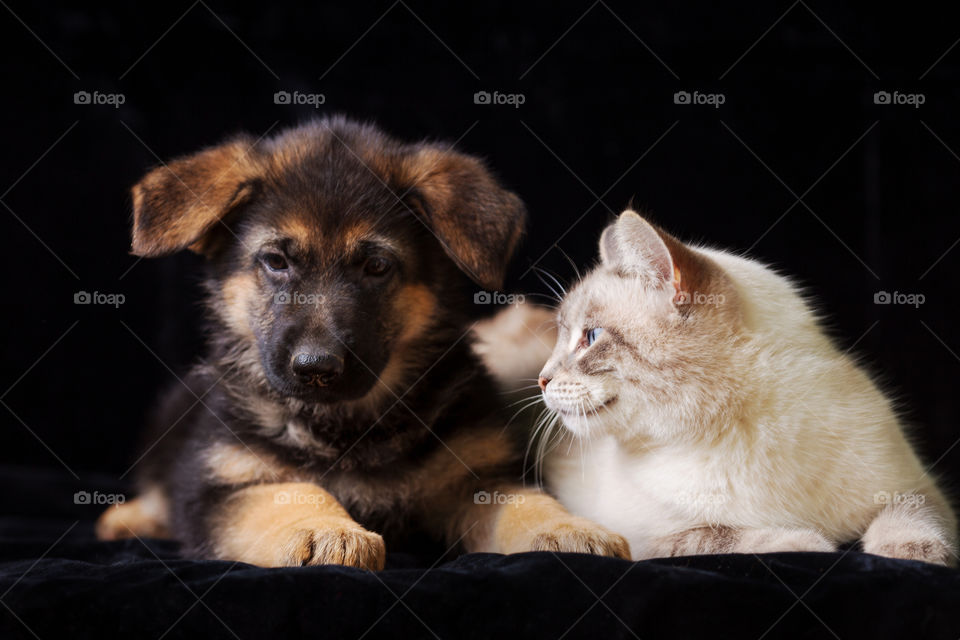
x=707, y=412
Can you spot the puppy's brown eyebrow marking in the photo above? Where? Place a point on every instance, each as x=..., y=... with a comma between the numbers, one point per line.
x=355, y=234
x=299, y=231
x=262, y=236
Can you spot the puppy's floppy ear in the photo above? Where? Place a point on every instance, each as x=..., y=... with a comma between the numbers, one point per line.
x=177, y=205
x=478, y=222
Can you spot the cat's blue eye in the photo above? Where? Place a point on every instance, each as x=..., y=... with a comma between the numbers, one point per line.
x=593, y=334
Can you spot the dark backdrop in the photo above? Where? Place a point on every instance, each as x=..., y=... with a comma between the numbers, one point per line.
x=599, y=125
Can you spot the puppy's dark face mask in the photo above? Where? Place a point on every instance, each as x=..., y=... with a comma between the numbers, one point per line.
x=327, y=298
x=330, y=247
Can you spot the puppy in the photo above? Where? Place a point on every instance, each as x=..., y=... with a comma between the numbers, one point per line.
x=340, y=400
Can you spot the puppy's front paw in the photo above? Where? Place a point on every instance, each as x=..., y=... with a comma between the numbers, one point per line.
x=578, y=535
x=332, y=541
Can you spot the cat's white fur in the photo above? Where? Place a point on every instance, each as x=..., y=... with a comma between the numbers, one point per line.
x=735, y=423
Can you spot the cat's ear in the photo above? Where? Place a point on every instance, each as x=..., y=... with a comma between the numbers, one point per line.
x=632, y=246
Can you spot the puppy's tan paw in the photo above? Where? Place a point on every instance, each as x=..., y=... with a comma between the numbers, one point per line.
x=142, y=517
x=577, y=535
x=331, y=541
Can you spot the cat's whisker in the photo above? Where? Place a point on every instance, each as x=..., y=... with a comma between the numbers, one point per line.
x=508, y=392
x=554, y=301
x=541, y=448
x=580, y=436
x=545, y=416
x=557, y=298
x=537, y=398
x=555, y=281
x=521, y=410
x=544, y=446
x=570, y=260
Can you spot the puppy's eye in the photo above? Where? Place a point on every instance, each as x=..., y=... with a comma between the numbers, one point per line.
x=591, y=335
x=377, y=266
x=274, y=261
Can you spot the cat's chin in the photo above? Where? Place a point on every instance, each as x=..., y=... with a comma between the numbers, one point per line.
x=580, y=428
x=590, y=423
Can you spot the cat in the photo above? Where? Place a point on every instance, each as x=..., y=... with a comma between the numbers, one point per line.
x=706, y=411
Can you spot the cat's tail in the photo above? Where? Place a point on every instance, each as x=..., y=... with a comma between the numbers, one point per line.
x=515, y=344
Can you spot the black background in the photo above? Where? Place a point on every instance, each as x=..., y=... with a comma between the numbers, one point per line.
x=598, y=127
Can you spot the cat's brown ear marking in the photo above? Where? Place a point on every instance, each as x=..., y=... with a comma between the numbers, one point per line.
x=478, y=222
x=176, y=206
x=633, y=247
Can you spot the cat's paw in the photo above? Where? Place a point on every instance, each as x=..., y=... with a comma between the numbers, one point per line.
x=578, y=535
x=912, y=545
x=931, y=550
x=774, y=540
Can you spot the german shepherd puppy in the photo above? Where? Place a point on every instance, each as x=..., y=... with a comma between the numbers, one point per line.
x=340, y=399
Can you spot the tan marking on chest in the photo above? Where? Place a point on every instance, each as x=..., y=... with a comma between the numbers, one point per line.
x=237, y=464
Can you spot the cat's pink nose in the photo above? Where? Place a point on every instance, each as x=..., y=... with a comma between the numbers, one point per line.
x=543, y=382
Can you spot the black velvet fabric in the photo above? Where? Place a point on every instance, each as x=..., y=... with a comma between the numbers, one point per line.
x=57, y=580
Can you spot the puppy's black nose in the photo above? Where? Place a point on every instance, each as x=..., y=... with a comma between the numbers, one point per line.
x=317, y=368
